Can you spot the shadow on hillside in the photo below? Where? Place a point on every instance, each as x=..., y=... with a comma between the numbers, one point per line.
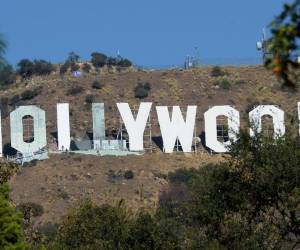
x=158, y=142
x=8, y=150
x=203, y=142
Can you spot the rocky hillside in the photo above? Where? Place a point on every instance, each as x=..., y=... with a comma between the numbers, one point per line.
x=61, y=181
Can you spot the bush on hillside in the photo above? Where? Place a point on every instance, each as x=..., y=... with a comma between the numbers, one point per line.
x=217, y=72
x=125, y=63
x=73, y=57
x=14, y=100
x=98, y=59
x=75, y=90
x=12, y=235
x=7, y=75
x=223, y=83
x=30, y=209
x=234, y=205
x=7, y=170
x=86, y=67
x=42, y=67
x=25, y=68
x=97, y=85
x=89, y=99
x=128, y=175
x=30, y=94
x=142, y=90
x=64, y=68
x=112, y=61
x=113, y=227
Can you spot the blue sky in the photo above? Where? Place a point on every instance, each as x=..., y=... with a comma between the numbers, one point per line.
x=150, y=33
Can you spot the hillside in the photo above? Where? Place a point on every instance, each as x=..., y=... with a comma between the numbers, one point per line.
x=61, y=181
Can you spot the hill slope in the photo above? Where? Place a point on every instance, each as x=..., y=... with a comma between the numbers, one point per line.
x=59, y=182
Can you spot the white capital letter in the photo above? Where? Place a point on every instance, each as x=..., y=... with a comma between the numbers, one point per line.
x=278, y=119
x=211, y=139
x=63, y=126
x=135, y=127
x=176, y=127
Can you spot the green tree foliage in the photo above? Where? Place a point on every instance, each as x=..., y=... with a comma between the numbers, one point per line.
x=113, y=227
x=2, y=51
x=42, y=67
x=27, y=68
x=98, y=59
x=86, y=67
x=30, y=94
x=217, y=71
x=248, y=202
x=251, y=200
x=7, y=75
x=142, y=90
x=11, y=233
x=284, y=43
x=64, y=68
x=73, y=57
x=6, y=171
x=124, y=62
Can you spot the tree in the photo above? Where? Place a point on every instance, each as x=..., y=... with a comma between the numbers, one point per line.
x=98, y=59
x=11, y=233
x=73, y=57
x=250, y=201
x=2, y=51
x=125, y=63
x=284, y=43
x=25, y=68
x=42, y=67
x=7, y=75
x=114, y=227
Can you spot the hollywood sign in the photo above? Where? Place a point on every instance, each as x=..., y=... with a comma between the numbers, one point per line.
x=173, y=126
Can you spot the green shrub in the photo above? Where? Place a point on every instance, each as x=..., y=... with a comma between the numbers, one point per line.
x=182, y=175
x=11, y=232
x=112, y=61
x=223, y=83
x=75, y=90
x=64, y=68
x=30, y=209
x=89, y=99
x=142, y=90
x=14, y=100
x=7, y=170
x=237, y=205
x=114, y=227
x=125, y=63
x=49, y=230
x=239, y=82
x=62, y=194
x=217, y=72
x=30, y=94
x=7, y=75
x=73, y=57
x=41, y=67
x=97, y=85
x=86, y=67
x=98, y=59
x=128, y=174
x=25, y=68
